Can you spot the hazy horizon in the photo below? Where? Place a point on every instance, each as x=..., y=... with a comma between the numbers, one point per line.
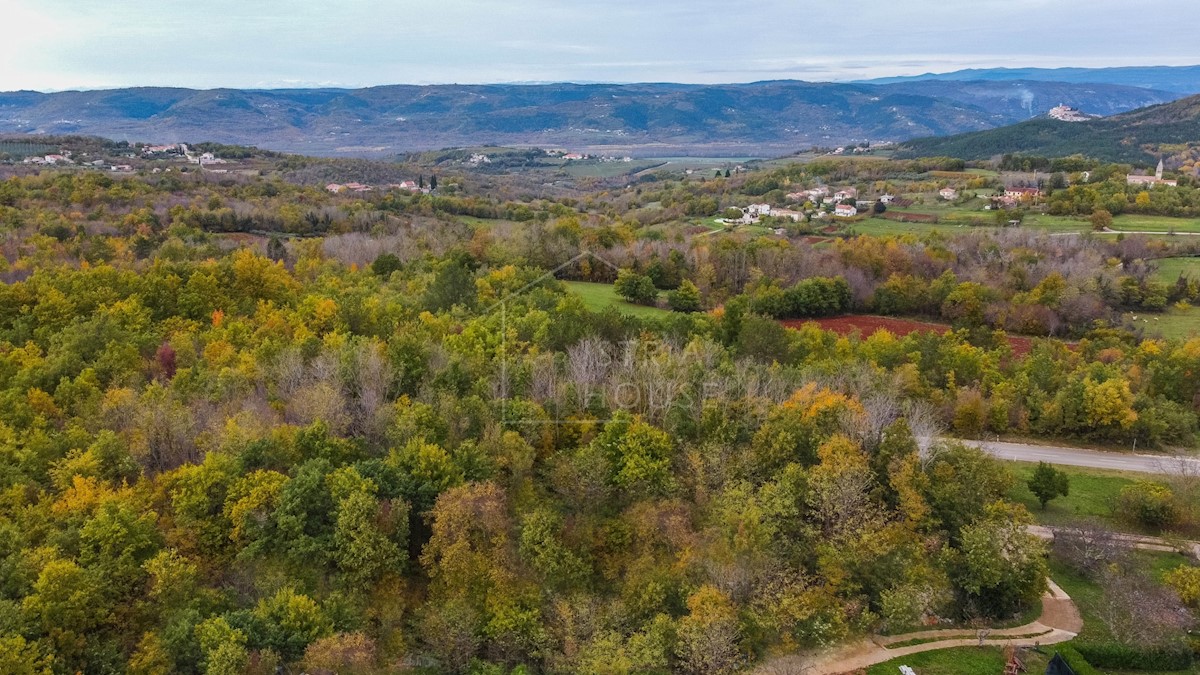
x=271, y=44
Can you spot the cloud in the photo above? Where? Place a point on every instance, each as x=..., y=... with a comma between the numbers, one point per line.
x=65, y=43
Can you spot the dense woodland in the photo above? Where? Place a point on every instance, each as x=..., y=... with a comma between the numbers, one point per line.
x=249, y=425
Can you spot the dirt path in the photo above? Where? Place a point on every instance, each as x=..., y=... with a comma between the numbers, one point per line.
x=1059, y=622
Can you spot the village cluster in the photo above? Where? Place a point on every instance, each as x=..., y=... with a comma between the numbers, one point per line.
x=825, y=202
x=177, y=151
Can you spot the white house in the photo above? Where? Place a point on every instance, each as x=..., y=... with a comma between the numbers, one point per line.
x=758, y=210
x=845, y=211
x=886, y=199
x=949, y=194
x=845, y=193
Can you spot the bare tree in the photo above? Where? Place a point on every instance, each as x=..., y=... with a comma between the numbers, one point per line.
x=1089, y=548
x=1138, y=611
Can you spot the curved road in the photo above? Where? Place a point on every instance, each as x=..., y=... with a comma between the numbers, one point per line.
x=1096, y=459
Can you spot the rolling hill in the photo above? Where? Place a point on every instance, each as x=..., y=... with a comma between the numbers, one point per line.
x=1178, y=79
x=1135, y=136
x=764, y=118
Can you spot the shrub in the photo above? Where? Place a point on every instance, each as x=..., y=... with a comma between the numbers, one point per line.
x=1185, y=580
x=1126, y=657
x=1149, y=504
x=1076, y=662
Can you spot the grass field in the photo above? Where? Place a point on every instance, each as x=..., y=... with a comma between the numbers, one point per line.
x=597, y=169
x=1139, y=223
x=1169, y=269
x=598, y=296
x=1178, y=324
x=1093, y=494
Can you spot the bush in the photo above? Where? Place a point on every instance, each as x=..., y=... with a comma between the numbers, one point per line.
x=1149, y=504
x=1076, y=662
x=1125, y=657
x=1185, y=581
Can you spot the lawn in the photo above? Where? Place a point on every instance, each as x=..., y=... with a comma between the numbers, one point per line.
x=1140, y=223
x=1169, y=269
x=879, y=227
x=1174, y=323
x=958, y=661
x=592, y=168
x=1093, y=494
x=599, y=296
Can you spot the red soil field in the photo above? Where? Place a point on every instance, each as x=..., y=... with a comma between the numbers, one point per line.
x=866, y=325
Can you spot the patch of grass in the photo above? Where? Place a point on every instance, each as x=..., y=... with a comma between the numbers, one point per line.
x=591, y=168
x=1087, y=594
x=1140, y=223
x=1093, y=494
x=1170, y=269
x=958, y=661
x=1177, y=324
x=879, y=227
x=598, y=296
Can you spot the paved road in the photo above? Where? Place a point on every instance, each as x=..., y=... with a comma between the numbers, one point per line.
x=1095, y=459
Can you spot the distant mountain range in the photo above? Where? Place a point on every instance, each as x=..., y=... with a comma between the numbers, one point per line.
x=1138, y=136
x=759, y=119
x=1178, y=79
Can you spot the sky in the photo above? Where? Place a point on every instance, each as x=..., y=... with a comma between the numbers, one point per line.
x=53, y=45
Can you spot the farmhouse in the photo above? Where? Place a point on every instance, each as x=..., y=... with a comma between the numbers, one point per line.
x=845, y=193
x=1156, y=179
x=886, y=199
x=796, y=216
x=1022, y=193
x=845, y=211
x=949, y=194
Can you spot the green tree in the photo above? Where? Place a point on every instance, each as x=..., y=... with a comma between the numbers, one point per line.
x=639, y=454
x=288, y=622
x=1002, y=567
x=385, y=264
x=686, y=298
x=1047, y=482
x=636, y=288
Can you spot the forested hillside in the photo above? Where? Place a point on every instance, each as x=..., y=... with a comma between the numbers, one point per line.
x=249, y=425
x=1138, y=136
x=763, y=118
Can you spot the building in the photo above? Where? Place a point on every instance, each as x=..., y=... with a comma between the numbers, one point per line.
x=845, y=211
x=949, y=194
x=1022, y=193
x=796, y=216
x=1065, y=113
x=886, y=199
x=1151, y=181
x=758, y=210
x=845, y=193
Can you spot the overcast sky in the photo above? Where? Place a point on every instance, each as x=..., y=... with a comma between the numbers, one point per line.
x=63, y=44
